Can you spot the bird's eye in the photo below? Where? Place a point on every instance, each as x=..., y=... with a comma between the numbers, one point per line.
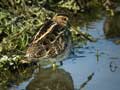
x=64, y=19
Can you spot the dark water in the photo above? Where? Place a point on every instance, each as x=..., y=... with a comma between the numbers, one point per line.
x=95, y=66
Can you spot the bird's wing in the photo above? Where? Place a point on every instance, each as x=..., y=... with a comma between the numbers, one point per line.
x=46, y=33
x=45, y=30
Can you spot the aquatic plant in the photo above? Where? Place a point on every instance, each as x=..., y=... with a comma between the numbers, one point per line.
x=20, y=29
x=9, y=79
x=70, y=4
x=21, y=19
x=9, y=62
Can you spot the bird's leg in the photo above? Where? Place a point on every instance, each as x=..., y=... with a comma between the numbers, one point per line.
x=54, y=66
x=61, y=63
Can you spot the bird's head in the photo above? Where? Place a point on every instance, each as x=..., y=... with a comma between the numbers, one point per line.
x=61, y=19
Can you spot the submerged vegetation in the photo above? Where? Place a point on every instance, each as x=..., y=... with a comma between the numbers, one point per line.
x=21, y=19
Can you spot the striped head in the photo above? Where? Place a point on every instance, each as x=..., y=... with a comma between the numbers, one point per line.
x=61, y=19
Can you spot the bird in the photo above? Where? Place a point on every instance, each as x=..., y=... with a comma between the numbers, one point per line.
x=52, y=42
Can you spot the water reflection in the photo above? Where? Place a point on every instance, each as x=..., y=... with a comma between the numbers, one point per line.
x=47, y=79
x=112, y=26
x=86, y=82
x=36, y=78
x=10, y=80
x=113, y=66
x=97, y=55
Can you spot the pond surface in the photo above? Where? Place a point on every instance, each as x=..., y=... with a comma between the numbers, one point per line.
x=101, y=58
x=95, y=66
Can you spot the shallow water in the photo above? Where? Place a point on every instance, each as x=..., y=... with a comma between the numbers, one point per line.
x=101, y=58
x=95, y=66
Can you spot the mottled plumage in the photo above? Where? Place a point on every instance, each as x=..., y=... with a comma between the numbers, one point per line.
x=51, y=40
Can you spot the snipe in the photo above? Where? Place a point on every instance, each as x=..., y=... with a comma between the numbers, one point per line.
x=52, y=42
